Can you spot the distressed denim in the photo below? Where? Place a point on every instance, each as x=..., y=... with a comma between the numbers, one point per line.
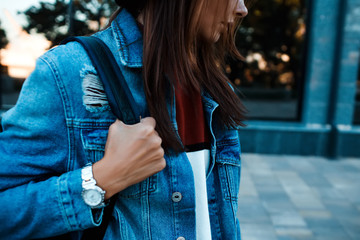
x=60, y=124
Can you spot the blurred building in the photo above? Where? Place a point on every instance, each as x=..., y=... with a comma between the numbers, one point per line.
x=300, y=79
x=17, y=61
x=319, y=112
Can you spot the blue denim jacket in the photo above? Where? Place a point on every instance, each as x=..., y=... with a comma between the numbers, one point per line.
x=58, y=126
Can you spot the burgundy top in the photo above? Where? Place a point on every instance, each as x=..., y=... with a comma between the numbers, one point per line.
x=190, y=118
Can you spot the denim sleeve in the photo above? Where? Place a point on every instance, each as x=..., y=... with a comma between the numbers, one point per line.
x=39, y=196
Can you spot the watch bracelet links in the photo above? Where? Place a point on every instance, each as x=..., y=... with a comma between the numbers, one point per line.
x=88, y=180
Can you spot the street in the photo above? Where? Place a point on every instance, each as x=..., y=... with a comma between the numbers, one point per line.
x=299, y=197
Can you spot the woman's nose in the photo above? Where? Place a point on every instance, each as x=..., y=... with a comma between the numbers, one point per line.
x=241, y=10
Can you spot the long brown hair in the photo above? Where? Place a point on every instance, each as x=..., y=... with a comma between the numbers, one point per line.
x=173, y=52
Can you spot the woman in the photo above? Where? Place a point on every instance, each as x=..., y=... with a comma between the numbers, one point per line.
x=175, y=175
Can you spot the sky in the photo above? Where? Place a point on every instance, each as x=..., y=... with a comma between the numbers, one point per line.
x=23, y=49
x=13, y=6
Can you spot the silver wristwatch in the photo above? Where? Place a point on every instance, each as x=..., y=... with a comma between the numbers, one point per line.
x=92, y=194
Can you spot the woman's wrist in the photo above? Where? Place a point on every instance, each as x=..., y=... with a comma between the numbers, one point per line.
x=104, y=179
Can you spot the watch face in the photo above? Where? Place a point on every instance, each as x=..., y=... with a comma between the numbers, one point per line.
x=92, y=197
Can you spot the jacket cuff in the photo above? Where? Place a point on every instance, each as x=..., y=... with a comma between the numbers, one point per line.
x=79, y=215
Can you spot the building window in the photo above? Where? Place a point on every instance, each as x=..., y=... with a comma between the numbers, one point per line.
x=272, y=40
x=357, y=99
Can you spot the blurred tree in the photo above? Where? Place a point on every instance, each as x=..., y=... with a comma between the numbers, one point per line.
x=3, y=39
x=3, y=42
x=62, y=18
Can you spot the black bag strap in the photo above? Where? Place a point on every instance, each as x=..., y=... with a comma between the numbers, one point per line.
x=117, y=91
x=120, y=100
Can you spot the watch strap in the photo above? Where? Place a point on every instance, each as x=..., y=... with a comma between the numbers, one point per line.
x=88, y=183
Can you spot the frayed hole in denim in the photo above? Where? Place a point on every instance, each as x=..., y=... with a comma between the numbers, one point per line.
x=94, y=98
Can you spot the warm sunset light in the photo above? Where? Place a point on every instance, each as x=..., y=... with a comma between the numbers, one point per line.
x=22, y=51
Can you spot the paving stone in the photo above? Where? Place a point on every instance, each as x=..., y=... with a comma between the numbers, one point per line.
x=353, y=232
x=279, y=164
x=299, y=198
x=315, y=214
x=245, y=174
x=299, y=232
x=247, y=187
x=291, y=181
x=289, y=219
x=351, y=226
x=315, y=180
x=341, y=209
x=348, y=168
x=331, y=238
x=244, y=200
x=305, y=200
x=334, y=233
x=323, y=223
x=303, y=166
x=295, y=237
x=273, y=195
x=274, y=206
x=331, y=165
x=269, y=180
x=329, y=193
x=261, y=172
x=251, y=210
x=358, y=206
x=352, y=193
x=258, y=232
x=285, y=238
x=355, y=163
x=256, y=162
x=342, y=179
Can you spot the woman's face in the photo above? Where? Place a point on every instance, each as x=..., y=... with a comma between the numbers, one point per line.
x=218, y=16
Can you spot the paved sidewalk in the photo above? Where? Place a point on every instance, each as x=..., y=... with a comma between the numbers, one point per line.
x=295, y=197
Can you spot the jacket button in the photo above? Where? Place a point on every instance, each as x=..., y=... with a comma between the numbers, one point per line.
x=176, y=197
x=180, y=238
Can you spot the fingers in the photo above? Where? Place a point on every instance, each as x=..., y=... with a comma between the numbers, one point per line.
x=161, y=164
x=149, y=121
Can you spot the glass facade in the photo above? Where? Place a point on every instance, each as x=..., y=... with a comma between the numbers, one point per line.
x=357, y=99
x=272, y=40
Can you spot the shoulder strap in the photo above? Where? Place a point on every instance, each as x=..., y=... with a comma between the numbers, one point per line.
x=117, y=91
x=120, y=100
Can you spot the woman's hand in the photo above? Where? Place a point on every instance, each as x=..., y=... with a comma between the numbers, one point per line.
x=132, y=154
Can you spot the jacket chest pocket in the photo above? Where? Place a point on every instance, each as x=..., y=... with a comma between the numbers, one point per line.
x=94, y=141
x=229, y=166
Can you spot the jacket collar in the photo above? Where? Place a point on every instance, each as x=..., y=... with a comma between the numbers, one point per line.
x=129, y=39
